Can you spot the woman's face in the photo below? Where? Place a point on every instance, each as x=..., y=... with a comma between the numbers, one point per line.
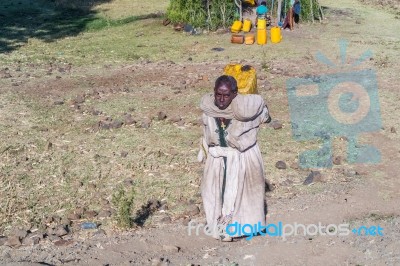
x=223, y=96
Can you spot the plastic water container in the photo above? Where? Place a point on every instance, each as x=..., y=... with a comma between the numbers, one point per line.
x=246, y=25
x=261, y=36
x=236, y=26
x=245, y=76
x=261, y=23
x=276, y=35
x=237, y=38
x=249, y=38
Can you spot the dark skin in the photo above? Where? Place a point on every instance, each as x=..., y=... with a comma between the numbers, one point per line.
x=223, y=96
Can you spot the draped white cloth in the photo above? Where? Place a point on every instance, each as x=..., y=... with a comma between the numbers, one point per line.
x=243, y=197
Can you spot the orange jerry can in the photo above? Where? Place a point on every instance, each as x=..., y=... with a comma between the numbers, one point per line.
x=237, y=38
x=261, y=36
x=249, y=38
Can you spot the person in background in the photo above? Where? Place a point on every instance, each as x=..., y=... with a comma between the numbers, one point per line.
x=261, y=12
x=293, y=15
x=296, y=11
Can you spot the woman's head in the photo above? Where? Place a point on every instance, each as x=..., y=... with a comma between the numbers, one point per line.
x=225, y=91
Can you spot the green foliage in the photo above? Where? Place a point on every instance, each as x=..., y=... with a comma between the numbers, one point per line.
x=222, y=13
x=124, y=201
x=191, y=11
x=195, y=12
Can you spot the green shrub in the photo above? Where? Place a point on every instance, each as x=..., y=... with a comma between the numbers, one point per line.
x=195, y=12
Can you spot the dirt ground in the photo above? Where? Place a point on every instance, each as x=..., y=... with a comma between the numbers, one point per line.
x=76, y=136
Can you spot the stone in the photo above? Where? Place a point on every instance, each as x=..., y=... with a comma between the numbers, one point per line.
x=186, y=221
x=393, y=130
x=337, y=160
x=104, y=214
x=280, y=165
x=90, y=214
x=128, y=182
x=31, y=240
x=79, y=99
x=294, y=165
x=49, y=145
x=314, y=176
x=49, y=220
x=192, y=210
x=181, y=123
x=163, y=207
x=175, y=119
x=58, y=102
x=171, y=249
x=124, y=154
x=350, y=172
x=100, y=232
x=104, y=202
x=60, y=230
x=275, y=124
x=80, y=211
x=104, y=125
x=146, y=123
x=13, y=241
x=74, y=216
x=116, y=124
x=53, y=238
x=65, y=221
x=21, y=233
x=161, y=115
x=129, y=120
x=56, y=218
x=96, y=112
x=3, y=240
x=166, y=219
x=62, y=242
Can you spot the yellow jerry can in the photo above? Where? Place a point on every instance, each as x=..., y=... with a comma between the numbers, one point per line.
x=236, y=26
x=276, y=35
x=261, y=36
x=245, y=76
x=246, y=25
x=250, y=2
x=261, y=23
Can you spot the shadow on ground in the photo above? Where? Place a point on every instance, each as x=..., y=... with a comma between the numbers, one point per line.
x=49, y=20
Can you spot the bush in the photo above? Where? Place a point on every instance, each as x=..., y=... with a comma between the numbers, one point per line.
x=195, y=12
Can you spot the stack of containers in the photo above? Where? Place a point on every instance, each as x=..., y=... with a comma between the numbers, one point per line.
x=261, y=31
x=238, y=26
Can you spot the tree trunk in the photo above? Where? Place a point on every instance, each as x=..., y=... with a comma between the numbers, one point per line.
x=209, y=15
x=278, y=14
x=239, y=5
x=311, y=11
